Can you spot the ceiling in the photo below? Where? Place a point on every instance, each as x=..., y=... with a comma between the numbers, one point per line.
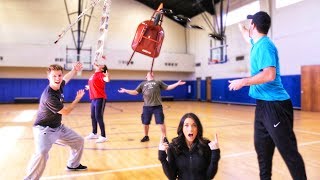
x=187, y=8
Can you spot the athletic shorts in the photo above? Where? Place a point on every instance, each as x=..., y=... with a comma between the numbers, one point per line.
x=147, y=114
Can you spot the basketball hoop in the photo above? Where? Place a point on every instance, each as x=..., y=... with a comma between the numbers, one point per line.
x=213, y=61
x=85, y=59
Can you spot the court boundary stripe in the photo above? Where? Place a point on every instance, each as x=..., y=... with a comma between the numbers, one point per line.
x=102, y=172
x=156, y=165
x=307, y=132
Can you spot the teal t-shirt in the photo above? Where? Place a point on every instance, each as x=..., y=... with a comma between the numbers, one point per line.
x=264, y=54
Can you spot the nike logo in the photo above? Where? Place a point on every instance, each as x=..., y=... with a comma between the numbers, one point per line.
x=275, y=125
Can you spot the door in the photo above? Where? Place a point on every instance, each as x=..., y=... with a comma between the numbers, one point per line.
x=208, y=88
x=199, y=89
x=310, y=91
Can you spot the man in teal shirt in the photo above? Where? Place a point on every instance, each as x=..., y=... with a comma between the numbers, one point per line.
x=273, y=125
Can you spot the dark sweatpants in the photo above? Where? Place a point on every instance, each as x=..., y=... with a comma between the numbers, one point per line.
x=97, y=110
x=273, y=126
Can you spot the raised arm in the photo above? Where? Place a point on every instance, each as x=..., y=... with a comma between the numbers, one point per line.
x=67, y=109
x=76, y=67
x=213, y=167
x=172, y=86
x=245, y=32
x=131, y=92
x=168, y=166
x=106, y=77
x=215, y=157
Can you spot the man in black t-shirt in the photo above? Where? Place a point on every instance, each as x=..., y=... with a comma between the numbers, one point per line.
x=48, y=128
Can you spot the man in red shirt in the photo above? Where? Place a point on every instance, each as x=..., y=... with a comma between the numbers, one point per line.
x=98, y=98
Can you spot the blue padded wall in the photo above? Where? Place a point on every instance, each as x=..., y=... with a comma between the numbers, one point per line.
x=11, y=88
x=292, y=84
x=114, y=85
x=221, y=93
x=70, y=90
x=192, y=95
x=203, y=90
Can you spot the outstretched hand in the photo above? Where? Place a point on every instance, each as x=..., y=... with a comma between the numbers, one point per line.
x=77, y=66
x=80, y=94
x=236, y=84
x=242, y=27
x=181, y=82
x=163, y=146
x=122, y=90
x=214, y=144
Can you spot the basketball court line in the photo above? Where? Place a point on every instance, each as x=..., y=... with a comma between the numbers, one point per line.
x=157, y=165
x=309, y=143
x=246, y=123
x=229, y=119
x=207, y=127
x=102, y=172
x=307, y=132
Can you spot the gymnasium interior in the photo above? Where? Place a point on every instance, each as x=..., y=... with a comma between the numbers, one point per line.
x=202, y=46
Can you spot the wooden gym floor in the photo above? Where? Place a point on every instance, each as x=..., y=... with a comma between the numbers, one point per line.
x=125, y=157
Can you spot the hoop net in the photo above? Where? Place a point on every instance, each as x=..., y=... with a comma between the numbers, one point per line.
x=215, y=56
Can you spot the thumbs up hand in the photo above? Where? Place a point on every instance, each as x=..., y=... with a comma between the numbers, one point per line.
x=163, y=146
x=214, y=144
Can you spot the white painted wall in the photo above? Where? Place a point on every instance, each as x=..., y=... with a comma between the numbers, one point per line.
x=199, y=45
x=295, y=30
x=29, y=28
x=40, y=73
x=27, y=32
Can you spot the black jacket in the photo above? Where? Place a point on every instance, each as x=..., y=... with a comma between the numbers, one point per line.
x=190, y=165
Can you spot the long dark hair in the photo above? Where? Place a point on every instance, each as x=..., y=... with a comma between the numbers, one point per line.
x=179, y=142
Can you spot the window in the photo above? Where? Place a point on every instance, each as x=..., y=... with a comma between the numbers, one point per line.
x=283, y=3
x=241, y=13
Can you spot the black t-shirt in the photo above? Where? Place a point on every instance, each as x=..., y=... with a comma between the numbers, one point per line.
x=51, y=102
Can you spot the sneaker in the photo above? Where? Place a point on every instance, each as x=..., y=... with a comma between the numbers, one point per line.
x=145, y=139
x=92, y=136
x=79, y=168
x=165, y=140
x=101, y=139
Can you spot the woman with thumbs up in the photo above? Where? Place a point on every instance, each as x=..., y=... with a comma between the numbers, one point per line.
x=190, y=155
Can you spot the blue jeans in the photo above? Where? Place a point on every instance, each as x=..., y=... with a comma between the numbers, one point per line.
x=97, y=110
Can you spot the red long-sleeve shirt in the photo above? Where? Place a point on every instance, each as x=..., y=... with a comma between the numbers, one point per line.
x=97, y=86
